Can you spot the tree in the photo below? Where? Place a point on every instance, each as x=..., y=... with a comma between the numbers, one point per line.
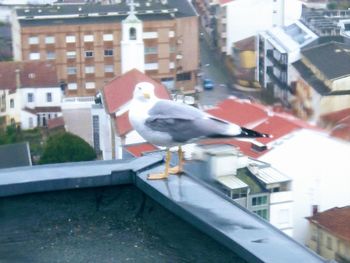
x=66, y=147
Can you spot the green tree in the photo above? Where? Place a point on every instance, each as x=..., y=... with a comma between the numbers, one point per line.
x=66, y=147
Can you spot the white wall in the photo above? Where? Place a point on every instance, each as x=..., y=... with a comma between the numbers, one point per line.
x=40, y=99
x=25, y=123
x=281, y=211
x=245, y=18
x=319, y=168
x=105, y=132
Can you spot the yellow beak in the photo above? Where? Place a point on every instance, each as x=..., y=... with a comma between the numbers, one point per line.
x=146, y=95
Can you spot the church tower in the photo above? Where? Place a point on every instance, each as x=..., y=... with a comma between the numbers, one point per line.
x=132, y=46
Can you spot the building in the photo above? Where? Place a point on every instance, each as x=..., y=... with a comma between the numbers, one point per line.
x=252, y=184
x=315, y=162
x=110, y=120
x=329, y=233
x=338, y=123
x=315, y=4
x=278, y=48
x=322, y=80
x=325, y=22
x=30, y=93
x=94, y=41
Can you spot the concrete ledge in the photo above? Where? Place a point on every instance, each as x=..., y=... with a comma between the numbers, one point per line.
x=236, y=228
x=54, y=177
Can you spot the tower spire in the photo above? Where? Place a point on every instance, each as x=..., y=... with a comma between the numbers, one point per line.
x=132, y=5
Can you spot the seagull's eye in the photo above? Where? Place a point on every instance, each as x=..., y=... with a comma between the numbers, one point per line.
x=139, y=88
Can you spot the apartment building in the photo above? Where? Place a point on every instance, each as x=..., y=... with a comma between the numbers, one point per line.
x=30, y=93
x=278, y=48
x=255, y=185
x=89, y=43
x=329, y=233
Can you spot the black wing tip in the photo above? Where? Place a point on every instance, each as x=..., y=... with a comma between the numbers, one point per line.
x=264, y=135
x=253, y=134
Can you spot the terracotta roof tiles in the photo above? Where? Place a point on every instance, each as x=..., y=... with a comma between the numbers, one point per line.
x=34, y=74
x=335, y=221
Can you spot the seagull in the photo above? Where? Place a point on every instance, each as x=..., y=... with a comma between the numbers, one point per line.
x=169, y=123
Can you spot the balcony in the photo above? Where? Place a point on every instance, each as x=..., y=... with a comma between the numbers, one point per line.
x=278, y=63
x=276, y=80
x=223, y=34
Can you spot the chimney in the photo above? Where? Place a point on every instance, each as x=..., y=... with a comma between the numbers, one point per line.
x=314, y=209
x=18, y=78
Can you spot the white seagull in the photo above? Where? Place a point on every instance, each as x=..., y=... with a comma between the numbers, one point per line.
x=169, y=123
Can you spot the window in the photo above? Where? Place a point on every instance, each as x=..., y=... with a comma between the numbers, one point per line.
x=149, y=35
x=33, y=40
x=108, y=52
x=151, y=66
x=183, y=76
x=50, y=55
x=49, y=97
x=90, y=85
x=89, y=69
x=132, y=33
x=172, y=49
x=259, y=200
x=89, y=54
x=70, y=39
x=171, y=34
x=30, y=122
x=71, y=54
x=30, y=97
x=88, y=38
x=49, y=40
x=107, y=37
x=109, y=68
x=34, y=56
x=262, y=213
x=96, y=132
x=71, y=70
x=329, y=243
x=12, y=103
x=151, y=50
x=72, y=86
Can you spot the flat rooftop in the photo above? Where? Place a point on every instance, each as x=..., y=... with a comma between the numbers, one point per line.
x=103, y=224
x=185, y=196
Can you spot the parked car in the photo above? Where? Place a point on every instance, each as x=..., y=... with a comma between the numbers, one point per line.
x=208, y=84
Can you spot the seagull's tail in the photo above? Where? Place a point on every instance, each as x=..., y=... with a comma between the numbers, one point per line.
x=247, y=133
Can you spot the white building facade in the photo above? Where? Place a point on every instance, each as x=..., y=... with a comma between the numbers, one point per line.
x=246, y=18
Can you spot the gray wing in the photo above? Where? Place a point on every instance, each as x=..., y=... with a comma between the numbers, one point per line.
x=183, y=122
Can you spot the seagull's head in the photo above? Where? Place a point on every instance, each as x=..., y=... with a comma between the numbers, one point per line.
x=144, y=91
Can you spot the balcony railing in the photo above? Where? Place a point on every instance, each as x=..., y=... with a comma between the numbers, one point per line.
x=279, y=63
x=276, y=80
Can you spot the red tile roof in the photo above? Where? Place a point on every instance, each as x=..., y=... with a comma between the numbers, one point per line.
x=258, y=117
x=119, y=90
x=139, y=149
x=34, y=74
x=222, y=2
x=42, y=109
x=335, y=221
x=55, y=123
x=240, y=112
x=342, y=130
x=122, y=124
x=336, y=116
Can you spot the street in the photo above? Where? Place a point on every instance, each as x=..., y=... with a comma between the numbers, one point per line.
x=212, y=67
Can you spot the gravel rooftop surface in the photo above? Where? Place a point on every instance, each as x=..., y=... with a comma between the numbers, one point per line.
x=108, y=224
